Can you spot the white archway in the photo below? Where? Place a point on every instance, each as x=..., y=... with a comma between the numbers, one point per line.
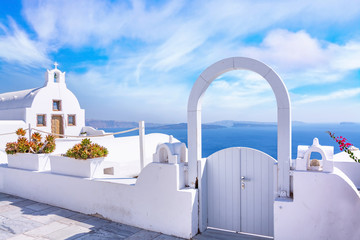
x=283, y=115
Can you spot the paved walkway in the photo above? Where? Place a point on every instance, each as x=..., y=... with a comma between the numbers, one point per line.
x=22, y=219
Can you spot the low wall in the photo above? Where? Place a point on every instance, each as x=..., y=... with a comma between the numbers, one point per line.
x=324, y=206
x=348, y=166
x=8, y=127
x=90, y=131
x=157, y=201
x=124, y=151
x=351, y=169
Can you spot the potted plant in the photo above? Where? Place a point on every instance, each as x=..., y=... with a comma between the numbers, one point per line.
x=82, y=160
x=30, y=154
x=315, y=165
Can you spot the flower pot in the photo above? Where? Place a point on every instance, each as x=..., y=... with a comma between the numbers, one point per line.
x=90, y=168
x=29, y=161
x=315, y=168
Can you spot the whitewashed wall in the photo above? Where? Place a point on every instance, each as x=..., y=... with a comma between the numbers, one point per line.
x=8, y=127
x=25, y=105
x=348, y=166
x=13, y=114
x=156, y=202
x=42, y=104
x=324, y=206
x=124, y=151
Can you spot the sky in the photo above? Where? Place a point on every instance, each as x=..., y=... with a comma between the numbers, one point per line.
x=138, y=60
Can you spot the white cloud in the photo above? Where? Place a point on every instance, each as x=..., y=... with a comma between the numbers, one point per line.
x=238, y=90
x=17, y=47
x=289, y=51
x=98, y=23
x=333, y=96
x=346, y=57
x=302, y=60
x=155, y=51
x=175, y=31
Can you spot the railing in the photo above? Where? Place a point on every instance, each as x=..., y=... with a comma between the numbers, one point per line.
x=91, y=136
x=141, y=129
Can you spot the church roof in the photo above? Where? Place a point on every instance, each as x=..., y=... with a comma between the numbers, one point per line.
x=18, y=99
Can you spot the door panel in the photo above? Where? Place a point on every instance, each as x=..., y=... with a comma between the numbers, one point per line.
x=57, y=125
x=242, y=205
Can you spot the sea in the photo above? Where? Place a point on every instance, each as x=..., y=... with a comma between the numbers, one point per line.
x=263, y=138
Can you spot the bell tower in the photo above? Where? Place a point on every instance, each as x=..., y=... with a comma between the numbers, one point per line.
x=54, y=76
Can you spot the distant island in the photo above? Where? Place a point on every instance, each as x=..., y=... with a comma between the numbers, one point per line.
x=121, y=124
x=348, y=123
x=104, y=124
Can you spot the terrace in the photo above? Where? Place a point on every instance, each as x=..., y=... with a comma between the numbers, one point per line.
x=180, y=194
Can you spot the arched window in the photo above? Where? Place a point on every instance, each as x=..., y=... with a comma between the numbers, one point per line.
x=56, y=77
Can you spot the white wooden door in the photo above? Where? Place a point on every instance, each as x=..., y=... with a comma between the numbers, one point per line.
x=240, y=187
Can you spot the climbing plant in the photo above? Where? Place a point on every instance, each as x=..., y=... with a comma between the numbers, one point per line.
x=344, y=146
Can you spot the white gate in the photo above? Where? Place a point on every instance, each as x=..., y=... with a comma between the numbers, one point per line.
x=240, y=190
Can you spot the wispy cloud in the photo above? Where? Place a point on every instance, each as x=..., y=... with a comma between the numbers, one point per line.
x=346, y=57
x=98, y=23
x=17, y=47
x=289, y=51
x=333, y=96
x=304, y=60
x=155, y=51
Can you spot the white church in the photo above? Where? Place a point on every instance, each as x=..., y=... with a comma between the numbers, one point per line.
x=52, y=108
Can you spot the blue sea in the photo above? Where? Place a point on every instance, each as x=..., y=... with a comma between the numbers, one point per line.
x=263, y=138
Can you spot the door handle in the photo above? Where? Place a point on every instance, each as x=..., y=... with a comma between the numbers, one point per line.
x=244, y=179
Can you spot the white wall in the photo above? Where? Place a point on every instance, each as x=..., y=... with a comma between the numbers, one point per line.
x=324, y=206
x=90, y=131
x=8, y=127
x=13, y=114
x=42, y=104
x=348, y=166
x=125, y=151
x=25, y=105
x=155, y=203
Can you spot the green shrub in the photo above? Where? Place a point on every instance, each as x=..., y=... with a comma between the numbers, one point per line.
x=86, y=150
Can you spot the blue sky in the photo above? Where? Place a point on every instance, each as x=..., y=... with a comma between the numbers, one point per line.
x=137, y=60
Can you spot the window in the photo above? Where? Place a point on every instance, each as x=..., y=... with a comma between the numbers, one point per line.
x=71, y=120
x=41, y=120
x=56, y=105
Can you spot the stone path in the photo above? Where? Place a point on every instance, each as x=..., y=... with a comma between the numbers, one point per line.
x=22, y=219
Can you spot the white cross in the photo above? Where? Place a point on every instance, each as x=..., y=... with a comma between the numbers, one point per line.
x=56, y=64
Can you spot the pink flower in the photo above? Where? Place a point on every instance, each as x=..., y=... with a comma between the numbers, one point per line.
x=344, y=146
